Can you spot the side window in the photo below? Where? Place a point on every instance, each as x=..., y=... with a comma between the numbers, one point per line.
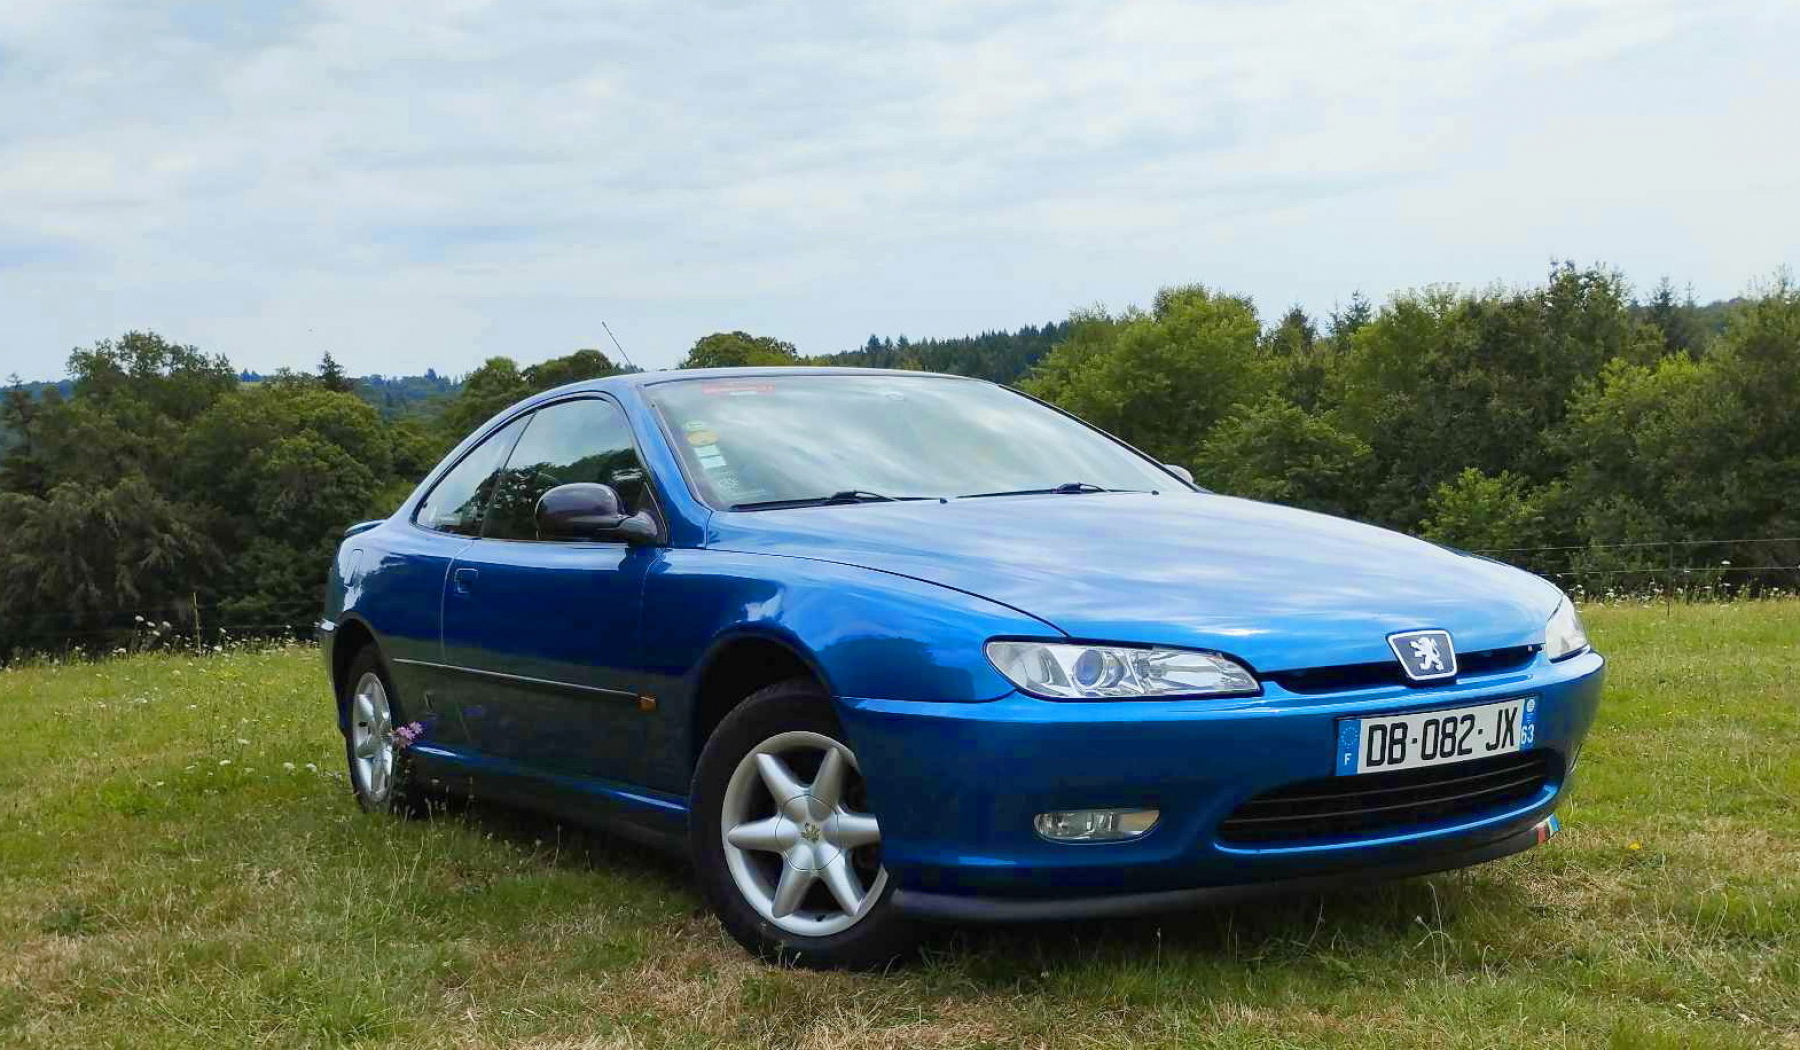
x=585, y=440
x=455, y=503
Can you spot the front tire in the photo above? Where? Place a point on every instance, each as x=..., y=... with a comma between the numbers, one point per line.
x=381, y=774
x=787, y=854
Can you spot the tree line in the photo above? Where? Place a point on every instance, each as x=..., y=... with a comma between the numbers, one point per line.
x=1623, y=433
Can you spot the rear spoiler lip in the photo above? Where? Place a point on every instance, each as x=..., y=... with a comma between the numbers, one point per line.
x=361, y=527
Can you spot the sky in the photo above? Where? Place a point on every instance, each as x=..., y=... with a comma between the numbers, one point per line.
x=426, y=183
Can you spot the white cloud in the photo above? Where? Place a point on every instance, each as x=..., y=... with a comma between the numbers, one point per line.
x=410, y=184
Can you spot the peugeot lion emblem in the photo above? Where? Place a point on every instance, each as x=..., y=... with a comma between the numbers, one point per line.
x=1425, y=656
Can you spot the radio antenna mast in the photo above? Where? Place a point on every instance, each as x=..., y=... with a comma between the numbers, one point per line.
x=615, y=339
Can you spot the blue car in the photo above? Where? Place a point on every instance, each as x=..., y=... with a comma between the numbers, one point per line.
x=876, y=648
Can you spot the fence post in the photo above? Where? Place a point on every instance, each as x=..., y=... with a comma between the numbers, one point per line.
x=194, y=603
x=1669, y=587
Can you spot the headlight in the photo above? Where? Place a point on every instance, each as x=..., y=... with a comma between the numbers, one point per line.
x=1062, y=671
x=1564, y=635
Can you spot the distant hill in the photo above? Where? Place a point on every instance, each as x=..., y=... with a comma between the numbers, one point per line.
x=65, y=387
x=395, y=396
x=398, y=396
x=1004, y=357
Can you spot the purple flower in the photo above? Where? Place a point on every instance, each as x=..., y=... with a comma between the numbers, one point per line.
x=409, y=734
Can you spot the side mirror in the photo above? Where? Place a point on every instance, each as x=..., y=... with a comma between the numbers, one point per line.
x=1180, y=471
x=588, y=511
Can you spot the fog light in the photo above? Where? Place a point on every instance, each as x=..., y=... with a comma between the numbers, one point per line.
x=1095, y=825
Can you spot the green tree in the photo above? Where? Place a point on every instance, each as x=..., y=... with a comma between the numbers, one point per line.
x=1161, y=380
x=1348, y=321
x=500, y=382
x=333, y=378
x=1277, y=452
x=22, y=469
x=83, y=559
x=1474, y=511
x=1439, y=382
x=738, y=349
x=1703, y=447
x=286, y=467
x=1676, y=319
x=1304, y=363
x=570, y=368
x=132, y=400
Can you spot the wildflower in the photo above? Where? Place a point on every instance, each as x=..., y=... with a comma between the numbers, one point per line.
x=289, y=766
x=1635, y=846
x=224, y=761
x=409, y=734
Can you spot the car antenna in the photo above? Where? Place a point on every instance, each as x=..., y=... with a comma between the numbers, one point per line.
x=615, y=340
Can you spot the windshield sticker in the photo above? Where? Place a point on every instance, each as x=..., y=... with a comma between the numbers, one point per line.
x=710, y=457
x=701, y=438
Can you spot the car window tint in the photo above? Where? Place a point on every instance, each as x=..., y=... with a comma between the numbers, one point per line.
x=586, y=440
x=455, y=503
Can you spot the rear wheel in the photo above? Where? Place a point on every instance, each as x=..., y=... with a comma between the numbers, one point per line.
x=788, y=854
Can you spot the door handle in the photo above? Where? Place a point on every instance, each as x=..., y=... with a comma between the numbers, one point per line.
x=464, y=579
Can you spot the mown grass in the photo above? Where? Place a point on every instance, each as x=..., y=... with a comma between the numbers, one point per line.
x=181, y=865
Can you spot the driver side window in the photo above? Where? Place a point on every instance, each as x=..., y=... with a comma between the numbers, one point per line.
x=456, y=502
x=582, y=440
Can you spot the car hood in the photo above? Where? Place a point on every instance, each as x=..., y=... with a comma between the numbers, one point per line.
x=1277, y=587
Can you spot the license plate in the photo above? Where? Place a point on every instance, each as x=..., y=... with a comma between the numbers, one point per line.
x=1435, y=738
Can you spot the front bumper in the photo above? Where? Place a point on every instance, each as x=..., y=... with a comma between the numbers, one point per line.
x=957, y=786
x=951, y=907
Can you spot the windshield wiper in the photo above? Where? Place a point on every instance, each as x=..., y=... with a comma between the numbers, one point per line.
x=835, y=499
x=1067, y=488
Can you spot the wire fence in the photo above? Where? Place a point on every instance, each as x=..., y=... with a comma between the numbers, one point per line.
x=173, y=625
x=1672, y=570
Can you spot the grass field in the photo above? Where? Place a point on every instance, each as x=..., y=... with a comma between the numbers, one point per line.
x=181, y=865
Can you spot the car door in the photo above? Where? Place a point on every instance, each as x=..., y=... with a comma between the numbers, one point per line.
x=447, y=520
x=543, y=633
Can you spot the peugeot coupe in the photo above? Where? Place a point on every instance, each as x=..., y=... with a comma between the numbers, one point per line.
x=876, y=648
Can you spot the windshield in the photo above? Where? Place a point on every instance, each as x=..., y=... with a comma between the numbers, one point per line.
x=847, y=438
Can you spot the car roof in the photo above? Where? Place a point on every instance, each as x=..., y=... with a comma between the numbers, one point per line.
x=643, y=379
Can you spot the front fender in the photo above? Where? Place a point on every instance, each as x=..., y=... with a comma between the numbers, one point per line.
x=868, y=633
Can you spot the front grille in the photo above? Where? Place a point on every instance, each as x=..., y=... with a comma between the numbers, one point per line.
x=1368, y=676
x=1376, y=803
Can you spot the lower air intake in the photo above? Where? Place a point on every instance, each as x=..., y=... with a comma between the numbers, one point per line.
x=1373, y=804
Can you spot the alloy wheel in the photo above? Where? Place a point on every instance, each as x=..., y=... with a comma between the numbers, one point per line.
x=798, y=842
x=373, y=752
